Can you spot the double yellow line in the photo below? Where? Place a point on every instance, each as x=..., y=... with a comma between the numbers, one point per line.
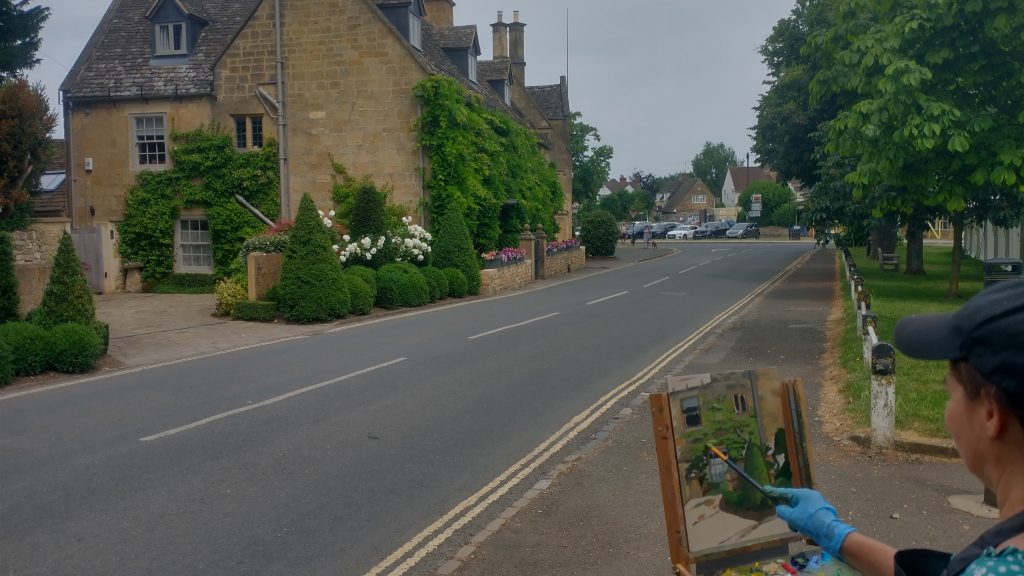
x=419, y=546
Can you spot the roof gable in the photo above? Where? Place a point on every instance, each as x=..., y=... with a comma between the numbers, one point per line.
x=459, y=38
x=190, y=8
x=549, y=100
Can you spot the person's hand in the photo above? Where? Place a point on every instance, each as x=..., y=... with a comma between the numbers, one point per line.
x=807, y=512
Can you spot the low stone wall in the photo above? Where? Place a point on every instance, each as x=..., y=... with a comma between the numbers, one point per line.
x=564, y=261
x=264, y=272
x=774, y=232
x=32, y=280
x=38, y=244
x=497, y=280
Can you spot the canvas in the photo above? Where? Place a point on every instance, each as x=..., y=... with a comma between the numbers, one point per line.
x=757, y=421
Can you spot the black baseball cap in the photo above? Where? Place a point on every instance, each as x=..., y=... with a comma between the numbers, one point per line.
x=987, y=332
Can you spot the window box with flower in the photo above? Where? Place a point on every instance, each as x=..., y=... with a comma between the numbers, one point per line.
x=563, y=245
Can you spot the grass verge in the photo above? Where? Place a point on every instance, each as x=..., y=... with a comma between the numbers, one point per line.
x=920, y=395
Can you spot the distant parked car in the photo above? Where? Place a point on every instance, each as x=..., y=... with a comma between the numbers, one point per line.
x=744, y=230
x=637, y=229
x=661, y=229
x=682, y=232
x=711, y=230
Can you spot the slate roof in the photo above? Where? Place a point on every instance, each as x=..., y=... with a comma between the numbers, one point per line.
x=435, y=61
x=53, y=203
x=616, y=185
x=549, y=100
x=116, y=62
x=456, y=37
x=494, y=69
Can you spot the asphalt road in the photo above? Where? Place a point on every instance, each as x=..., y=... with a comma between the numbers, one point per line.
x=325, y=454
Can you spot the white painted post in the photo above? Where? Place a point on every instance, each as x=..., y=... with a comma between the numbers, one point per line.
x=867, y=322
x=883, y=396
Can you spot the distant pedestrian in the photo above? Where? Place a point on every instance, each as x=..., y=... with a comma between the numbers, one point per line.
x=647, y=236
x=622, y=232
x=984, y=345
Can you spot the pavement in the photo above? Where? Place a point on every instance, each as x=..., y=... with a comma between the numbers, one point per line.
x=599, y=511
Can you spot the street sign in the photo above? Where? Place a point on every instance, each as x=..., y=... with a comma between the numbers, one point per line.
x=754, y=213
x=755, y=199
x=755, y=206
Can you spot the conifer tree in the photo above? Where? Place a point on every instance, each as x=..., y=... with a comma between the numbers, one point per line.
x=312, y=284
x=8, y=281
x=453, y=248
x=67, y=298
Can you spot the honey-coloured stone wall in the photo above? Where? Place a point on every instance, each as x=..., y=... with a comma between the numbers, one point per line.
x=497, y=280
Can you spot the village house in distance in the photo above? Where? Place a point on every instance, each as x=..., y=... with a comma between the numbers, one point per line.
x=157, y=66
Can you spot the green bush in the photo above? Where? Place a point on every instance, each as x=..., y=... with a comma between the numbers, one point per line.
x=274, y=294
x=29, y=347
x=312, y=285
x=599, y=233
x=437, y=282
x=369, y=211
x=401, y=285
x=191, y=280
x=73, y=348
x=6, y=364
x=67, y=297
x=102, y=329
x=456, y=282
x=165, y=288
x=359, y=293
x=365, y=274
x=229, y=292
x=254, y=310
x=8, y=281
x=453, y=248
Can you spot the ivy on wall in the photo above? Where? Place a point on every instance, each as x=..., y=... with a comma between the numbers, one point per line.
x=485, y=163
x=206, y=173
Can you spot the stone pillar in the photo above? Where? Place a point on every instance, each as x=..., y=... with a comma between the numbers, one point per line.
x=528, y=243
x=542, y=251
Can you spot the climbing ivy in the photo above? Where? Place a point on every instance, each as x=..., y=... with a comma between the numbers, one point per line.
x=206, y=173
x=486, y=164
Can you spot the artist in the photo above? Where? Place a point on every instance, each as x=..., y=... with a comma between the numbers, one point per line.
x=984, y=344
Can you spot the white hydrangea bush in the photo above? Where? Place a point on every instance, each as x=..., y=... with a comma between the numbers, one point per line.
x=411, y=244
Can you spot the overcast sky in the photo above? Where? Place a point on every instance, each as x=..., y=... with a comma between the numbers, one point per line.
x=657, y=78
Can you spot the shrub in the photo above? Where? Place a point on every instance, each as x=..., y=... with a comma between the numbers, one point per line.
x=369, y=211
x=456, y=282
x=273, y=294
x=191, y=280
x=360, y=294
x=599, y=233
x=73, y=348
x=29, y=347
x=437, y=282
x=453, y=248
x=102, y=329
x=8, y=281
x=312, y=288
x=67, y=297
x=401, y=285
x=6, y=364
x=366, y=275
x=229, y=292
x=254, y=310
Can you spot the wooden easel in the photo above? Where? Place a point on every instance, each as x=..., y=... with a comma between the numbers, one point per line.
x=795, y=417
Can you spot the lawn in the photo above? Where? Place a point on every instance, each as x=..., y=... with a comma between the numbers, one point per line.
x=920, y=395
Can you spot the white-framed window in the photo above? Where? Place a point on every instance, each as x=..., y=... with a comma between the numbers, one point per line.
x=472, y=67
x=194, y=249
x=150, y=138
x=415, y=31
x=508, y=93
x=700, y=199
x=171, y=38
x=248, y=132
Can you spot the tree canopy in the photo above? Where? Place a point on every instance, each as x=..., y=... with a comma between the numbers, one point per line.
x=19, y=36
x=590, y=161
x=712, y=163
x=25, y=125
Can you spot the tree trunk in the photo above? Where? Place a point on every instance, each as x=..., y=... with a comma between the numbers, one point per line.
x=958, y=249
x=915, y=246
x=882, y=238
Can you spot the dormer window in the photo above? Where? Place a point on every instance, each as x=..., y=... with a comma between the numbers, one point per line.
x=508, y=94
x=415, y=31
x=472, y=67
x=171, y=38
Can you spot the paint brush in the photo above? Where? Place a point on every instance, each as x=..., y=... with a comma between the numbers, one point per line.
x=744, y=475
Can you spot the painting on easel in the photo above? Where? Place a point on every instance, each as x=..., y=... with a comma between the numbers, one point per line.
x=748, y=416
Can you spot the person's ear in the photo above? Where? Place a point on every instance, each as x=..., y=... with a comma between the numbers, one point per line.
x=995, y=415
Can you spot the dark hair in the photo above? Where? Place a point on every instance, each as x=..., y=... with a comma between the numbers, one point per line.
x=975, y=385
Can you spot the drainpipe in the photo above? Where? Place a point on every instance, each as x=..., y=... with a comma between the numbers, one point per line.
x=70, y=160
x=282, y=143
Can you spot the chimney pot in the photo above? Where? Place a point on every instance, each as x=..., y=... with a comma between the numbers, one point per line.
x=515, y=15
x=499, y=15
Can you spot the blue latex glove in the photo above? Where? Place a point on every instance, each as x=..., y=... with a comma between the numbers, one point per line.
x=807, y=512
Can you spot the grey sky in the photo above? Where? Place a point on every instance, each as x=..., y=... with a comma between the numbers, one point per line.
x=657, y=78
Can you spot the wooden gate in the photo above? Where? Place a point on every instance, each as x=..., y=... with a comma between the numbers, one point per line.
x=89, y=246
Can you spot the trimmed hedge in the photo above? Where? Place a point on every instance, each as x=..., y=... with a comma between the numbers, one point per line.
x=365, y=274
x=6, y=364
x=30, y=353
x=456, y=282
x=254, y=310
x=9, y=298
x=102, y=329
x=599, y=233
x=401, y=285
x=453, y=248
x=74, y=348
x=437, y=282
x=67, y=297
x=359, y=293
x=312, y=289
x=191, y=280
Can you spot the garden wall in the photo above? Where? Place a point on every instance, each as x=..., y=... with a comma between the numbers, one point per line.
x=497, y=280
x=564, y=261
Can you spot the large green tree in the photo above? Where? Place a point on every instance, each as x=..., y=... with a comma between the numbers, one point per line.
x=712, y=163
x=19, y=36
x=591, y=161
x=25, y=125
x=936, y=124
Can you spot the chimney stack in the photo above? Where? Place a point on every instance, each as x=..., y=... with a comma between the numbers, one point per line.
x=516, y=49
x=440, y=13
x=500, y=38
